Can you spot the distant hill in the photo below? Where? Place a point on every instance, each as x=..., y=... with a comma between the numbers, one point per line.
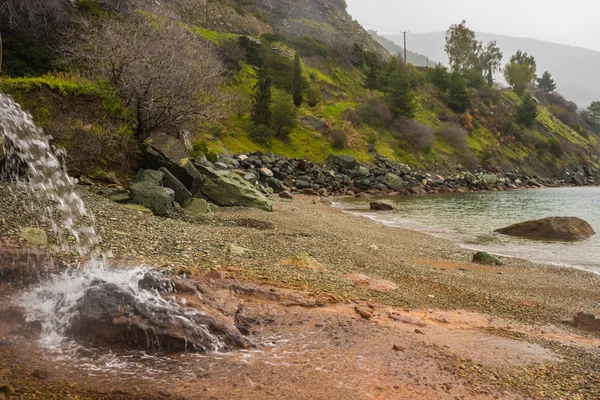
x=415, y=59
x=574, y=69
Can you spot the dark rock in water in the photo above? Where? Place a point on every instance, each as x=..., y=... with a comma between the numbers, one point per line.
x=486, y=259
x=383, y=205
x=157, y=198
x=171, y=182
x=110, y=314
x=228, y=189
x=554, y=228
x=588, y=321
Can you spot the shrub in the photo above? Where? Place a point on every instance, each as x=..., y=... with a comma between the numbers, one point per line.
x=414, y=134
x=488, y=95
x=459, y=98
x=440, y=78
x=231, y=53
x=313, y=96
x=284, y=115
x=374, y=112
x=351, y=116
x=262, y=134
x=526, y=112
x=200, y=148
x=475, y=80
x=339, y=139
x=455, y=135
x=466, y=121
x=217, y=131
x=22, y=55
x=556, y=148
x=563, y=115
x=309, y=46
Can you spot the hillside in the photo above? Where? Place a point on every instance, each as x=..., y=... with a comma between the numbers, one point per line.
x=415, y=59
x=243, y=37
x=573, y=68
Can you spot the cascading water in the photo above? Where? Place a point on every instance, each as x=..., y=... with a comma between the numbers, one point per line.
x=58, y=303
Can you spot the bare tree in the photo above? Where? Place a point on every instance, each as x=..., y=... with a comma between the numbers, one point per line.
x=44, y=18
x=166, y=75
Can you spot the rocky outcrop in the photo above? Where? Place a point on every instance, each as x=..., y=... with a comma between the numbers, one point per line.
x=554, y=228
x=228, y=189
x=157, y=198
x=110, y=314
x=170, y=181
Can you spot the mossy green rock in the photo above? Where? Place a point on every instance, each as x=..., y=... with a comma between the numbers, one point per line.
x=486, y=259
x=138, y=208
x=157, y=198
x=34, y=236
x=198, y=210
x=228, y=189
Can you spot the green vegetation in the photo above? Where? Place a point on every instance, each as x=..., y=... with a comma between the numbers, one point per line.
x=546, y=83
x=297, y=81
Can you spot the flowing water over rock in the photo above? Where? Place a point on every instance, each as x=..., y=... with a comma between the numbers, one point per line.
x=95, y=303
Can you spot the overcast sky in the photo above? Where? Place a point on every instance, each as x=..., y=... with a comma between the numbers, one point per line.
x=574, y=22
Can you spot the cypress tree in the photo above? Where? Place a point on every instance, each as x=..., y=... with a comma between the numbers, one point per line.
x=261, y=113
x=546, y=83
x=297, y=84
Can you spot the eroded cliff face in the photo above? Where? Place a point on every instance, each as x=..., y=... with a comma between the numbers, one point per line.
x=326, y=20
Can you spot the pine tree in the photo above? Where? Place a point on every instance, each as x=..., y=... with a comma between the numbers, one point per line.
x=546, y=83
x=527, y=111
x=297, y=85
x=400, y=96
x=459, y=98
x=261, y=108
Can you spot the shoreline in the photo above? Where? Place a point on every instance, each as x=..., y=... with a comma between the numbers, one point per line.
x=521, y=307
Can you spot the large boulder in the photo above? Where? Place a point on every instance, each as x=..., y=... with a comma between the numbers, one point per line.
x=383, y=205
x=199, y=210
x=164, y=150
x=113, y=314
x=579, y=178
x=157, y=198
x=171, y=182
x=228, y=189
x=344, y=162
x=554, y=228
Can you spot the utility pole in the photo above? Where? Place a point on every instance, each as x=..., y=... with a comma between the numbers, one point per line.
x=427, y=61
x=405, y=59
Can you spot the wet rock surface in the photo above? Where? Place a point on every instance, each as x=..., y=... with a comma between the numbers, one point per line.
x=553, y=228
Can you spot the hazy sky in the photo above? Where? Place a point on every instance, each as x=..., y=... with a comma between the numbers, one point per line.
x=574, y=22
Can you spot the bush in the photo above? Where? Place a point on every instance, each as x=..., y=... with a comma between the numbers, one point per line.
x=475, y=80
x=456, y=136
x=231, y=53
x=488, y=95
x=375, y=113
x=200, y=148
x=526, y=112
x=262, y=134
x=313, y=96
x=22, y=55
x=414, y=134
x=440, y=78
x=556, y=148
x=309, y=46
x=459, y=98
x=339, y=139
x=466, y=121
x=563, y=115
x=284, y=115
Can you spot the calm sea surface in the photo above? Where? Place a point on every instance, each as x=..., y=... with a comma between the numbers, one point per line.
x=471, y=218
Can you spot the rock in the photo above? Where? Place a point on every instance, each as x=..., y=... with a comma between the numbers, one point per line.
x=588, y=321
x=266, y=172
x=198, y=210
x=394, y=182
x=383, y=205
x=35, y=236
x=153, y=176
x=302, y=261
x=157, y=198
x=302, y=184
x=119, y=196
x=399, y=348
x=579, y=178
x=228, y=189
x=221, y=165
x=237, y=250
x=376, y=284
x=40, y=374
x=486, y=259
x=164, y=150
x=490, y=179
x=554, y=228
x=363, y=312
x=315, y=123
x=6, y=388
x=170, y=181
x=191, y=178
x=109, y=314
x=342, y=163
x=286, y=195
x=138, y=208
x=420, y=332
x=418, y=190
x=275, y=184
